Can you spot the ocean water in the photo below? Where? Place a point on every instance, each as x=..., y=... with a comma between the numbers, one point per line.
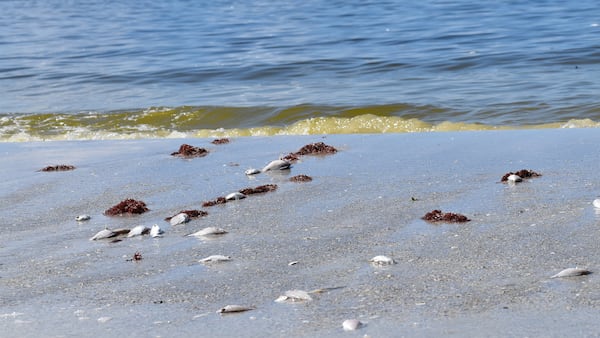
x=152, y=69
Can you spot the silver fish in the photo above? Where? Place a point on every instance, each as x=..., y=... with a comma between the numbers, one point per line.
x=209, y=231
x=514, y=178
x=277, y=165
x=572, y=272
x=179, y=219
x=294, y=296
x=82, y=218
x=156, y=231
x=235, y=196
x=252, y=171
x=235, y=308
x=103, y=234
x=215, y=258
x=138, y=230
x=382, y=260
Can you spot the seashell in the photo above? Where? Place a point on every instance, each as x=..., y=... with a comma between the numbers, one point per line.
x=156, y=231
x=209, y=231
x=294, y=296
x=514, y=178
x=103, y=234
x=179, y=219
x=252, y=171
x=215, y=258
x=277, y=165
x=596, y=203
x=138, y=230
x=82, y=218
x=235, y=196
x=351, y=324
x=382, y=260
x=235, y=308
x=572, y=272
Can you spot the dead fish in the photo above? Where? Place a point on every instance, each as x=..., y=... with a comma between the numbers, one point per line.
x=235, y=196
x=235, y=308
x=179, y=219
x=351, y=324
x=103, y=234
x=82, y=218
x=277, y=165
x=138, y=230
x=156, y=231
x=215, y=258
x=572, y=272
x=512, y=178
x=596, y=203
x=252, y=171
x=209, y=231
x=294, y=296
x=382, y=260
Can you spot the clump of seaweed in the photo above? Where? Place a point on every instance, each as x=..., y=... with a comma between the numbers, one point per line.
x=59, y=167
x=523, y=173
x=318, y=148
x=128, y=206
x=187, y=151
x=301, y=178
x=259, y=190
x=220, y=141
x=439, y=216
x=190, y=213
x=218, y=200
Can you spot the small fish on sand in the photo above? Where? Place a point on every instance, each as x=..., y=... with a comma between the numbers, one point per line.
x=252, y=171
x=235, y=196
x=209, y=231
x=382, y=260
x=513, y=178
x=235, y=308
x=103, y=234
x=82, y=218
x=215, y=259
x=277, y=165
x=351, y=324
x=156, y=231
x=179, y=219
x=294, y=296
x=572, y=272
x=138, y=231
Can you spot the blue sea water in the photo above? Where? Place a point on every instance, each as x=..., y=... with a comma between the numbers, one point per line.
x=494, y=63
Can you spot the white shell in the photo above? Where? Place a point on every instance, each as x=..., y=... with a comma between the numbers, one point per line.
x=102, y=234
x=209, y=231
x=514, y=178
x=252, y=171
x=215, y=258
x=156, y=231
x=572, y=272
x=596, y=203
x=180, y=219
x=235, y=196
x=293, y=296
x=235, y=308
x=382, y=260
x=351, y=324
x=277, y=165
x=82, y=218
x=138, y=230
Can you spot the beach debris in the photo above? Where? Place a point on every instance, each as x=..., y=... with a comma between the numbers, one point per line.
x=128, y=206
x=103, y=234
x=512, y=178
x=156, y=231
x=318, y=148
x=188, y=151
x=82, y=218
x=138, y=231
x=439, y=216
x=259, y=189
x=294, y=296
x=209, y=231
x=596, y=203
x=301, y=178
x=235, y=308
x=523, y=174
x=277, y=165
x=293, y=263
x=137, y=256
x=220, y=141
x=215, y=259
x=218, y=200
x=180, y=218
x=252, y=171
x=351, y=324
x=59, y=167
x=572, y=272
x=382, y=260
x=235, y=196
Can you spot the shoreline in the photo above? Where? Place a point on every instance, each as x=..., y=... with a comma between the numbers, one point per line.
x=473, y=278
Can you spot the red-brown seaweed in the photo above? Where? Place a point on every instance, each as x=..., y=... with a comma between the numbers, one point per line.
x=318, y=148
x=190, y=213
x=187, y=151
x=259, y=190
x=220, y=141
x=439, y=216
x=128, y=206
x=301, y=178
x=59, y=167
x=523, y=173
x=218, y=200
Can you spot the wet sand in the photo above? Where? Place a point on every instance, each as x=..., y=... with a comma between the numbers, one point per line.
x=487, y=277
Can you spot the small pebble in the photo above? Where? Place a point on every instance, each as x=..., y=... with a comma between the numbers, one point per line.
x=351, y=324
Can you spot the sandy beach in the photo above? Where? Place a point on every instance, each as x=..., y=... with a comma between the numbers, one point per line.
x=489, y=277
